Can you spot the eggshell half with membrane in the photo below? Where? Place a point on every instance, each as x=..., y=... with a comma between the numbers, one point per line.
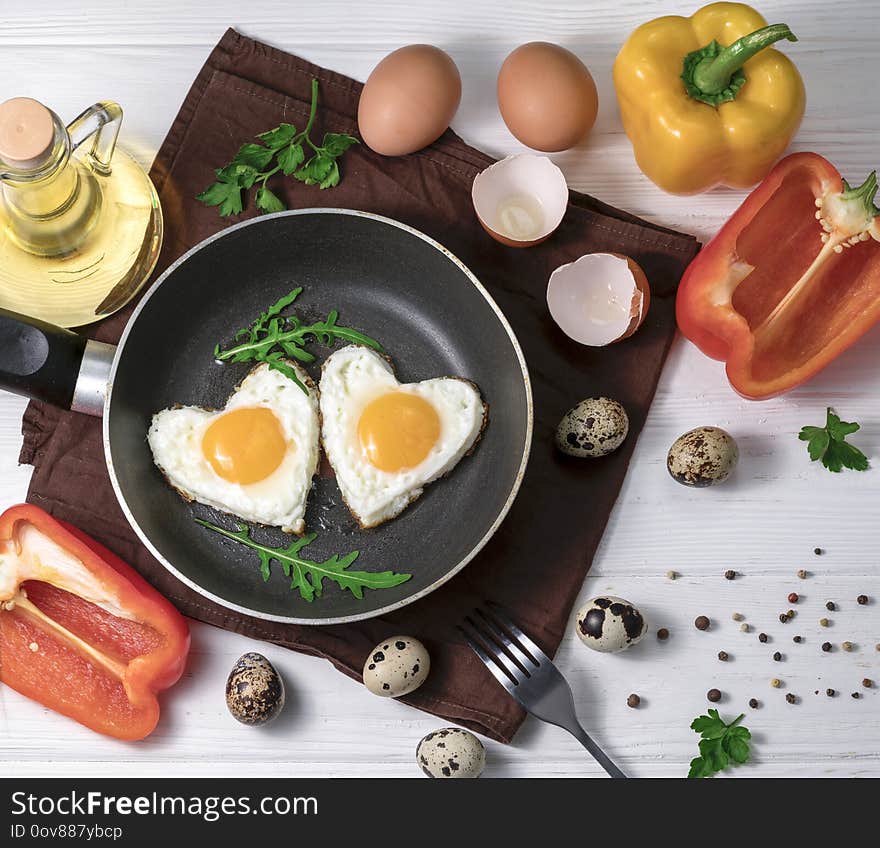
x=521, y=200
x=599, y=299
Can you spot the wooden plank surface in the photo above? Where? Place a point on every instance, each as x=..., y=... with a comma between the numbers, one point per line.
x=764, y=523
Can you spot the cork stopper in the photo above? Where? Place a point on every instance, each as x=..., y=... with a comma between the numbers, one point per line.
x=27, y=132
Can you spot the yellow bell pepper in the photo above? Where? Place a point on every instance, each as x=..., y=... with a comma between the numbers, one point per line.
x=705, y=100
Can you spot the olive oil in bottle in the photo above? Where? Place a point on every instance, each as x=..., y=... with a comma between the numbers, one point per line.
x=80, y=221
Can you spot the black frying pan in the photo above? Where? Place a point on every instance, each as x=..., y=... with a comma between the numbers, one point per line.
x=430, y=313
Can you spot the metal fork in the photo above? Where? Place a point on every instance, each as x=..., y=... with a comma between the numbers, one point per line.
x=528, y=674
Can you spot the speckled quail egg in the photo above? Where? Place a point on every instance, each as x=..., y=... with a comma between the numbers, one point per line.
x=396, y=667
x=451, y=752
x=702, y=457
x=610, y=624
x=593, y=428
x=254, y=690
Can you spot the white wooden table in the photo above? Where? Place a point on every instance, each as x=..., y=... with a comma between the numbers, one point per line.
x=764, y=523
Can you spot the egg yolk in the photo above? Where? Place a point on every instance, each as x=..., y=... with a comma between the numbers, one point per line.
x=245, y=445
x=398, y=430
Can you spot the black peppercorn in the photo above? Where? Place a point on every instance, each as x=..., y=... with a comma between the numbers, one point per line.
x=857, y=695
x=729, y=574
x=791, y=698
x=753, y=703
x=662, y=634
x=762, y=637
x=723, y=656
x=826, y=646
x=701, y=622
x=861, y=600
x=818, y=551
x=783, y=617
x=830, y=606
x=633, y=701
x=714, y=695
x=777, y=656
x=830, y=693
x=798, y=639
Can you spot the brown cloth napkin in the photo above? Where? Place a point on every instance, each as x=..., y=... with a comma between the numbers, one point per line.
x=535, y=564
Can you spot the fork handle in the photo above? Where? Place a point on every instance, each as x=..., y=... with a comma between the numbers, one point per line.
x=598, y=754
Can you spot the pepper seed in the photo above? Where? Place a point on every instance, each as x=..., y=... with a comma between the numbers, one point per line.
x=791, y=698
x=737, y=616
x=802, y=573
x=783, y=617
x=868, y=683
x=745, y=629
x=777, y=656
x=826, y=646
x=793, y=598
x=847, y=646
x=830, y=606
x=857, y=695
x=798, y=639
x=776, y=683
x=861, y=600
x=723, y=656
x=701, y=622
x=671, y=575
x=762, y=637
x=824, y=622
x=714, y=695
x=830, y=693
x=633, y=701
x=662, y=634
x=818, y=551
x=753, y=703
x=730, y=574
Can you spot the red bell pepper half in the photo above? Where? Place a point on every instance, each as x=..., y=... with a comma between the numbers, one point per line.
x=790, y=281
x=80, y=631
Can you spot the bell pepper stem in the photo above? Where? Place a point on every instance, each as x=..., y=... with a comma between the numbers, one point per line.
x=864, y=193
x=713, y=74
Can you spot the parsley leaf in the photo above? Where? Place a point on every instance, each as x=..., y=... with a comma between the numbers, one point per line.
x=275, y=336
x=829, y=444
x=308, y=576
x=720, y=743
x=254, y=164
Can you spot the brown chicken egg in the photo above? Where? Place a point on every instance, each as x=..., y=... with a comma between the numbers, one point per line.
x=409, y=100
x=547, y=96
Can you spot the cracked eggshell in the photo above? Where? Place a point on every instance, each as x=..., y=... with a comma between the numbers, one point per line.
x=593, y=428
x=396, y=666
x=451, y=752
x=599, y=299
x=609, y=624
x=702, y=457
x=521, y=200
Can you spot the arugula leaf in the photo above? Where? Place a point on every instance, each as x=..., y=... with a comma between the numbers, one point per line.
x=274, y=336
x=720, y=743
x=287, y=147
x=308, y=576
x=829, y=444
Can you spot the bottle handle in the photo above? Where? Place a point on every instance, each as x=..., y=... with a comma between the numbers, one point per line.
x=100, y=122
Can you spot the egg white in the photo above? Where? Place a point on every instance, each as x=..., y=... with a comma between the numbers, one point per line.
x=175, y=438
x=351, y=379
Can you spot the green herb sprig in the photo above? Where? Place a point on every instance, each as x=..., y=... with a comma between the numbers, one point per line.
x=306, y=575
x=253, y=165
x=829, y=444
x=720, y=744
x=274, y=336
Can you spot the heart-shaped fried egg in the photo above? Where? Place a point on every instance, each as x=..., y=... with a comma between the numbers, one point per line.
x=255, y=458
x=387, y=440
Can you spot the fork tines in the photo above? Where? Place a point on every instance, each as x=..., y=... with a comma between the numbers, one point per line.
x=505, y=650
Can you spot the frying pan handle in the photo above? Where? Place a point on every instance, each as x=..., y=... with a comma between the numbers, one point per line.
x=41, y=361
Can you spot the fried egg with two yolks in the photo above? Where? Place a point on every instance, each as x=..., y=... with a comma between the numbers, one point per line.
x=255, y=458
x=387, y=440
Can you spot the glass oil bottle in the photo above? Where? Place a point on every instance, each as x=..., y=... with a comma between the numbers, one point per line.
x=80, y=221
